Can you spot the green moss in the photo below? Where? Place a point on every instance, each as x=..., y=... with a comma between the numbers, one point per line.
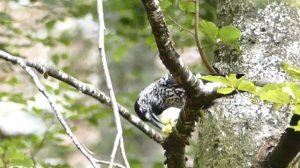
x=221, y=146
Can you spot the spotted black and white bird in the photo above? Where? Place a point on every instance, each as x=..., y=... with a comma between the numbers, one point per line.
x=159, y=96
x=164, y=99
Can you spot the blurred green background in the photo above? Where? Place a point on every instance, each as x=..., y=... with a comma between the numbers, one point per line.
x=63, y=34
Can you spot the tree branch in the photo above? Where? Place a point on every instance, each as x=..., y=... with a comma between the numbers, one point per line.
x=119, y=136
x=287, y=148
x=176, y=142
x=87, y=90
x=200, y=49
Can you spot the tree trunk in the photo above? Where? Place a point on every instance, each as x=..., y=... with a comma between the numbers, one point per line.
x=233, y=130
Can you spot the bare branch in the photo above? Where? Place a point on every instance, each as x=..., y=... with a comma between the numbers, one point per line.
x=87, y=90
x=53, y=105
x=200, y=49
x=108, y=163
x=119, y=136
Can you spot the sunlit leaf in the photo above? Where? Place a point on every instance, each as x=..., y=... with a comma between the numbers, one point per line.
x=292, y=71
x=209, y=29
x=275, y=96
x=225, y=91
x=215, y=78
x=233, y=80
x=247, y=86
x=230, y=36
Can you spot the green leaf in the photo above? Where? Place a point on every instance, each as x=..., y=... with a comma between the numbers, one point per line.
x=50, y=24
x=289, y=91
x=277, y=107
x=3, y=94
x=119, y=53
x=210, y=29
x=247, y=86
x=219, y=79
x=295, y=89
x=275, y=96
x=233, y=80
x=4, y=17
x=187, y=6
x=24, y=162
x=292, y=71
x=165, y=4
x=37, y=110
x=18, y=98
x=230, y=36
x=136, y=163
x=225, y=91
x=12, y=81
x=55, y=59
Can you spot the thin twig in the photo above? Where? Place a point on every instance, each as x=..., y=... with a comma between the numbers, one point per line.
x=108, y=162
x=180, y=26
x=110, y=88
x=200, y=49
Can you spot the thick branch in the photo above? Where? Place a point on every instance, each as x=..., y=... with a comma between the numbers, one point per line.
x=88, y=90
x=287, y=148
x=175, y=143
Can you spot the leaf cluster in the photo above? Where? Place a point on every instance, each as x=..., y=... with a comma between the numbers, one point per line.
x=281, y=94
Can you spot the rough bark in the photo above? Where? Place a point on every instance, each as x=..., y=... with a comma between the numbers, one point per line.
x=237, y=126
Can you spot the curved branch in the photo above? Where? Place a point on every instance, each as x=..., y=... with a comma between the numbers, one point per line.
x=200, y=49
x=119, y=136
x=87, y=90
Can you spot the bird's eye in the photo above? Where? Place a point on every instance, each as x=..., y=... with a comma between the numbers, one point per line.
x=144, y=111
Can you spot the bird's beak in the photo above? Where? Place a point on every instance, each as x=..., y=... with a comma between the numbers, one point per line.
x=156, y=122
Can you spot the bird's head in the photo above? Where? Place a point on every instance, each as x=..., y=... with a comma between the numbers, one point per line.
x=142, y=110
x=145, y=113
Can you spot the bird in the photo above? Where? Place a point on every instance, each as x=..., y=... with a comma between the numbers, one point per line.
x=157, y=97
x=163, y=99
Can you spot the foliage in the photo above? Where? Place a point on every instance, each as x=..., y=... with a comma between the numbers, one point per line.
x=228, y=35
x=281, y=94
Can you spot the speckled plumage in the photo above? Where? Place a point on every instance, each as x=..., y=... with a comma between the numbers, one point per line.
x=157, y=97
